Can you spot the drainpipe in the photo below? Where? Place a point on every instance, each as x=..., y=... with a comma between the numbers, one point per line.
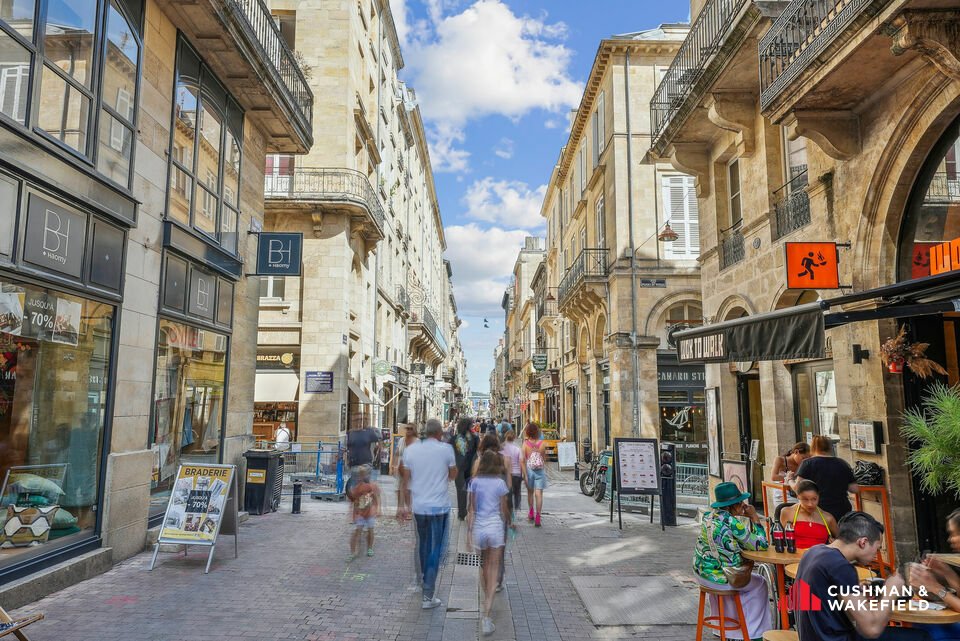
x=633, y=253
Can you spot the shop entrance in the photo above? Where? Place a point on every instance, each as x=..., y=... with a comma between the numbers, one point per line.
x=943, y=334
x=751, y=426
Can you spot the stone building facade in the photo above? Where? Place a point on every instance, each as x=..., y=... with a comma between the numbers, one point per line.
x=373, y=310
x=859, y=150
x=131, y=179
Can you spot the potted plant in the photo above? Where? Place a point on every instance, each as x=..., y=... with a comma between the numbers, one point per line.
x=898, y=351
x=935, y=430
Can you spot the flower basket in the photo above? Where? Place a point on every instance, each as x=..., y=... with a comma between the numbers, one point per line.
x=898, y=351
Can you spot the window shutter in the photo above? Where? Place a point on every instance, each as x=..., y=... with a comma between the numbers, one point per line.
x=679, y=200
x=595, y=132
x=693, y=217
x=601, y=128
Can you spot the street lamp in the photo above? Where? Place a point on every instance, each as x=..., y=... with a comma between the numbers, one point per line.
x=667, y=235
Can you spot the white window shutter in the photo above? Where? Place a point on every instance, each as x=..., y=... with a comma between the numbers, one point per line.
x=601, y=129
x=693, y=216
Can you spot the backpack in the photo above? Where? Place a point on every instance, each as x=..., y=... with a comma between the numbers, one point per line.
x=535, y=460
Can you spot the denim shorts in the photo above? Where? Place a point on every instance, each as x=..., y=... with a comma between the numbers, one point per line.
x=362, y=523
x=536, y=479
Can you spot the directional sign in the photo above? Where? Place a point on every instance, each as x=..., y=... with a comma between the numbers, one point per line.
x=812, y=266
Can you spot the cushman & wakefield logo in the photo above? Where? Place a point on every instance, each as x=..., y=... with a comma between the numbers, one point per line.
x=864, y=597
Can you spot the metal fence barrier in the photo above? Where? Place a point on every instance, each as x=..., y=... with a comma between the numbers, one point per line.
x=317, y=465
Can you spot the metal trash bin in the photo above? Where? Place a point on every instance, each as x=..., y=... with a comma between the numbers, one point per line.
x=264, y=481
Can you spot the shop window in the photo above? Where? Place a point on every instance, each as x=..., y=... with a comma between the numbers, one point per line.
x=188, y=403
x=79, y=37
x=680, y=204
x=205, y=153
x=54, y=367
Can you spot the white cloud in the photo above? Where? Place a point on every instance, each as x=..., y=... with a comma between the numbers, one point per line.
x=504, y=149
x=553, y=123
x=485, y=61
x=482, y=261
x=507, y=202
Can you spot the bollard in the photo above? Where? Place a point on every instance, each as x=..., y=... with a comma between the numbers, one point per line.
x=576, y=471
x=297, y=492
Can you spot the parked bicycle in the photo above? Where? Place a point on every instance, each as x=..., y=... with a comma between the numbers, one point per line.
x=694, y=485
x=593, y=482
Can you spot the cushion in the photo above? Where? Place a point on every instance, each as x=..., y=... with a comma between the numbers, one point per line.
x=27, y=526
x=63, y=519
x=33, y=484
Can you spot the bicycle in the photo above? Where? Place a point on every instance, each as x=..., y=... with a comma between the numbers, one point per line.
x=694, y=485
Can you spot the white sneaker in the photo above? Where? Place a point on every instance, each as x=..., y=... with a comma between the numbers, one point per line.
x=487, y=626
x=429, y=604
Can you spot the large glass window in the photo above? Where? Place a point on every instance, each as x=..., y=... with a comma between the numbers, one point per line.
x=188, y=403
x=64, y=42
x=54, y=366
x=815, y=400
x=205, y=153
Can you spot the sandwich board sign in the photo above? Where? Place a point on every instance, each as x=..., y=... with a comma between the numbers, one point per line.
x=202, y=505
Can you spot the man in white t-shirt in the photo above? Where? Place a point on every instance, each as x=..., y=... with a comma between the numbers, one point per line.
x=428, y=467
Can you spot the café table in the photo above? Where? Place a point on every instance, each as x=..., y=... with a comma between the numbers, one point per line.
x=934, y=617
x=778, y=560
x=862, y=572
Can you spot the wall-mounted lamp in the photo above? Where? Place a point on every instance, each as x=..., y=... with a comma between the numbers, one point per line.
x=859, y=354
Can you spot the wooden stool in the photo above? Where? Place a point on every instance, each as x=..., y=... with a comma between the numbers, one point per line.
x=720, y=622
x=15, y=627
x=780, y=635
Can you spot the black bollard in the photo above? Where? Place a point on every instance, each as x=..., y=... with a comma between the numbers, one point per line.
x=576, y=471
x=297, y=493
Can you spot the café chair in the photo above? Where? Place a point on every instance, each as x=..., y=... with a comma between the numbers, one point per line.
x=780, y=635
x=15, y=626
x=720, y=622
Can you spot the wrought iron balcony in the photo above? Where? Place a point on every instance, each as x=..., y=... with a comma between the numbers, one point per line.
x=591, y=263
x=547, y=304
x=731, y=246
x=432, y=329
x=791, y=205
x=337, y=186
x=798, y=37
x=706, y=37
x=403, y=298
x=943, y=188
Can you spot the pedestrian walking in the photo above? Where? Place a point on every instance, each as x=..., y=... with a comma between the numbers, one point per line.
x=360, y=446
x=516, y=465
x=465, y=447
x=489, y=516
x=534, y=458
x=364, y=497
x=409, y=438
x=428, y=468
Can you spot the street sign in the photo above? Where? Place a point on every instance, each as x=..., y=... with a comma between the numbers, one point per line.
x=812, y=266
x=539, y=362
x=381, y=368
x=279, y=254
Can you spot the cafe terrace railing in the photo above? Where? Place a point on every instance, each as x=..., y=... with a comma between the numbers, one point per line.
x=799, y=36
x=703, y=41
x=943, y=188
x=327, y=185
x=791, y=206
x=255, y=19
x=591, y=263
x=731, y=245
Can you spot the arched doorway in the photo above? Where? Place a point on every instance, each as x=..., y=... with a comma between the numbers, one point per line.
x=931, y=221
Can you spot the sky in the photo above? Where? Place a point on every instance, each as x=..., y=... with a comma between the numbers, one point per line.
x=496, y=81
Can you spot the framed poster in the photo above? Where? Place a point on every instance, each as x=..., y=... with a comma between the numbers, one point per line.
x=736, y=472
x=866, y=436
x=714, y=444
x=637, y=463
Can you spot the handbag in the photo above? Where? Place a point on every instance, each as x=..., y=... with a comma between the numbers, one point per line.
x=738, y=576
x=867, y=473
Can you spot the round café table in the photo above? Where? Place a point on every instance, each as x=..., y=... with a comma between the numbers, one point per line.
x=862, y=573
x=778, y=560
x=934, y=617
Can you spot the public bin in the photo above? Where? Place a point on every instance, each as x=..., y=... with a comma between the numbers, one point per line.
x=264, y=481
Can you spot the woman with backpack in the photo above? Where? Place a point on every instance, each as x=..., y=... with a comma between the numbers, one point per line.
x=533, y=454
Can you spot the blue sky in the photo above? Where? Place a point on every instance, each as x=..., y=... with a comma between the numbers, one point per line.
x=496, y=81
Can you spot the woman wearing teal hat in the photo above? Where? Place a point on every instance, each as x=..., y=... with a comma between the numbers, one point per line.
x=733, y=526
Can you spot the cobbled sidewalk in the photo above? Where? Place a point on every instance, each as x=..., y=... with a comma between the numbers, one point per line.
x=292, y=581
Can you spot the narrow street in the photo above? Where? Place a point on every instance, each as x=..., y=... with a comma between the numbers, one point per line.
x=292, y=581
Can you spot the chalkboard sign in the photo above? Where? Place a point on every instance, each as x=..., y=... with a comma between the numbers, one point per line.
x=637, y=463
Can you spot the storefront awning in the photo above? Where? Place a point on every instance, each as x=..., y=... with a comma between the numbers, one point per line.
x=798, y=332
x=276, y=387
x=359, y=393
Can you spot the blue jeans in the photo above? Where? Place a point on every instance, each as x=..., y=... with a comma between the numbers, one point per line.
x=431, y=542
x=904, y=634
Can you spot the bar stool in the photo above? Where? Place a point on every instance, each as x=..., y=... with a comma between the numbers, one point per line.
x=780, y=635
x=721, y=623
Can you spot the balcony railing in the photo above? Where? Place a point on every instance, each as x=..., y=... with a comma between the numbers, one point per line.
x=403, y=298
x=802, y=32
x=731, y=246
x=706, y=37
x=327, y=185
x=547, y=304
x=591, y=263
x=263, y=31
x=791, y=205
x=434, y=329
x=943, y=188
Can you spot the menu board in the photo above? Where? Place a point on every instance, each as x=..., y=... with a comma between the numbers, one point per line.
x=197, y=504
x=637, y=463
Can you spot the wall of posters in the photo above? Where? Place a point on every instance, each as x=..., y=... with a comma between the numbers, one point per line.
x=712, y=409
x=197, y=504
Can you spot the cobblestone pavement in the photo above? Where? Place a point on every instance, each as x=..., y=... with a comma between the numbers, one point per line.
x=292, y=581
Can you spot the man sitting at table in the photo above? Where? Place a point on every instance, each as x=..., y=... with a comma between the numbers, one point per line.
x=830, y=566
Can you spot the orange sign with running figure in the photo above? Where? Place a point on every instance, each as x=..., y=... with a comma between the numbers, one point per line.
x=812, y=266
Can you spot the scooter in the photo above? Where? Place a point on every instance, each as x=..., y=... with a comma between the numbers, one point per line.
x=600, y=483
x=589, y=478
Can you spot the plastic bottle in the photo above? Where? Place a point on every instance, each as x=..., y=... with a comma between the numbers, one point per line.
x=777, y=533
x=790, y=538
